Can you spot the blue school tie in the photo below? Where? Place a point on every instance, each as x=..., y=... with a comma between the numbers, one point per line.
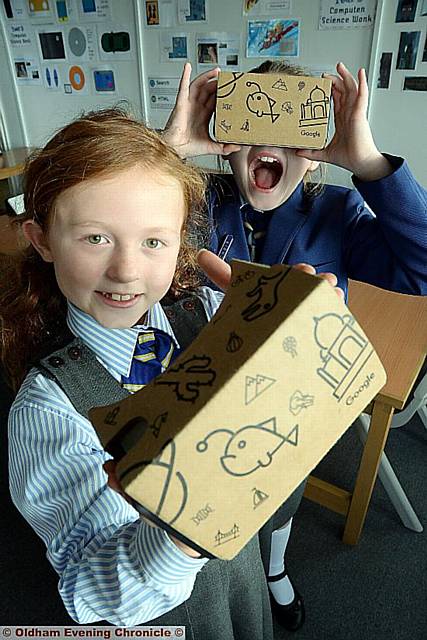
x=153, y=353
x=256, y=225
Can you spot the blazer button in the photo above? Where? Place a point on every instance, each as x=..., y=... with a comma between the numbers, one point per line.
x=189, y=305
x=75, y=353
x=56, y=362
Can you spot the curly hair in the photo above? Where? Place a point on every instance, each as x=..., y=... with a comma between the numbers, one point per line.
x=96, y=145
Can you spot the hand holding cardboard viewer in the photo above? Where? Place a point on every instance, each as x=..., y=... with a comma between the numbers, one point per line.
x=237, y=422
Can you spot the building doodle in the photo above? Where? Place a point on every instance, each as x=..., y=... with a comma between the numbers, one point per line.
x=315, y=110
x=280, y=85
x=343, y=351
x=232, y=534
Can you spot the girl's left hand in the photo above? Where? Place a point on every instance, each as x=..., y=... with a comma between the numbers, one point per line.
x=352, y=146
x=220, y=272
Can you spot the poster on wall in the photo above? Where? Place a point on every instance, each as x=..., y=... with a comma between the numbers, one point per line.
x=273, y=38
x=94, y=10
x=39, y=8
x=415, y=83
x=173, y=46
x=27, y=71
x=159, y=13
x=77, y=78
x=82, y=43
x=347, y=14
x=64, y=11
x=163, y=92
x=218, y=49
x=115, y=42
x=14, y=9
x=406, y=10
x=383, y=81
x=52, y=77
x=408, y=49
x=104, y=80
x=266, y=7
x=52, y=45
x=20, y=35
x=192, y=11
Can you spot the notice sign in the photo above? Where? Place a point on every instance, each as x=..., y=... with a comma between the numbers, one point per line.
x=346, y=14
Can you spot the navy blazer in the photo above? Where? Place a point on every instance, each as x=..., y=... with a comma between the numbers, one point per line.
x=335, y=230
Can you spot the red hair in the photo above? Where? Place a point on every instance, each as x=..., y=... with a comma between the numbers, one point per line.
x=98, y=144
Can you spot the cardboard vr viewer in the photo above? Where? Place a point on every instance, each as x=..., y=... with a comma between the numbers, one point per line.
x=272, y=109
x=212, y=447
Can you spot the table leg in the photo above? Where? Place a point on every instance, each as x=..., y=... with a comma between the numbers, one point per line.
x=380, y=424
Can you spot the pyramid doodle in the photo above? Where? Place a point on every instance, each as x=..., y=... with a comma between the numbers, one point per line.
x=255, y=386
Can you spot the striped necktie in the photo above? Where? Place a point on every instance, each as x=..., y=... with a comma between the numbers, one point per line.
x=153, y=353
x=256, y=224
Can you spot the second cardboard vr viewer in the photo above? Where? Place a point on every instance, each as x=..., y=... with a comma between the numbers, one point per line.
x=272, y=109
x=212, y=447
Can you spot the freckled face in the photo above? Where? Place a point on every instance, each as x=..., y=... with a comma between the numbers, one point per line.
x=114, y=244
x=267, y=176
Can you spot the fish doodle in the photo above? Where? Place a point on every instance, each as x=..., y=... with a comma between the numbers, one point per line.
x=265, y=294
x=249, y=449
x=260, y=103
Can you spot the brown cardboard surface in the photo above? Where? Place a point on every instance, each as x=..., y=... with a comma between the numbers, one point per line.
x=272, y=109
x=214, y=445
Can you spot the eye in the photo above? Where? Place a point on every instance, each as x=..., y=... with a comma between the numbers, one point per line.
x=153, y=243
x=241, y=444
x=96, y=239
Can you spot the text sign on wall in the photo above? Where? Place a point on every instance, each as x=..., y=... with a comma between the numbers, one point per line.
x=347, y=14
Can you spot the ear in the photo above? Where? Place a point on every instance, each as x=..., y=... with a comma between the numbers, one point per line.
x=35, y=235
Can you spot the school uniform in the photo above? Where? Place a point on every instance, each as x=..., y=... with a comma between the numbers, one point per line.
x=376, y=233
x=112, y=565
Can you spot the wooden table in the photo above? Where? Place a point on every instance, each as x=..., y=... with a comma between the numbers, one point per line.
x=12, y=162
x=396, y=325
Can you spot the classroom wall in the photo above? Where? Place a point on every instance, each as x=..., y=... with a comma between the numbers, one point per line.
x=33, y=110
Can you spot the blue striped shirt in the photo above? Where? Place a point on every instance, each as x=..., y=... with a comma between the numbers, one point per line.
x=112, y=565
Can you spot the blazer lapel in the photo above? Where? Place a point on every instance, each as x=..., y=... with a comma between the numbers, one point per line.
x=285, y=223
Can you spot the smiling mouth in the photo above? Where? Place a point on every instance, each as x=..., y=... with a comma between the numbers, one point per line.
x=119, y=297
x=265, y=172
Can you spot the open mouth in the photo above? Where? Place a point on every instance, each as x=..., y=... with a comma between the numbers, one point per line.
x=265, y=172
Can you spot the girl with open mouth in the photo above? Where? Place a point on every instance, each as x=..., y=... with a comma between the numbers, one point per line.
x=272, y=209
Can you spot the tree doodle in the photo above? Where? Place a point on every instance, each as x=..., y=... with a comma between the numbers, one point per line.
x=226, y=89
x=260, y=103
x=172, y=488
x=266, y=296
x=250, y=448
x=189, y=376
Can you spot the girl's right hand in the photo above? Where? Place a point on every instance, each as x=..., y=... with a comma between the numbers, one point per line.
x=187, y=129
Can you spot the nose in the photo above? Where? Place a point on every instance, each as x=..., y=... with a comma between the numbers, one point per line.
x=124, y=265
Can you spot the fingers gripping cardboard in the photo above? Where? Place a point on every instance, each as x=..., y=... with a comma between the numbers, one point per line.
x=214, y=445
